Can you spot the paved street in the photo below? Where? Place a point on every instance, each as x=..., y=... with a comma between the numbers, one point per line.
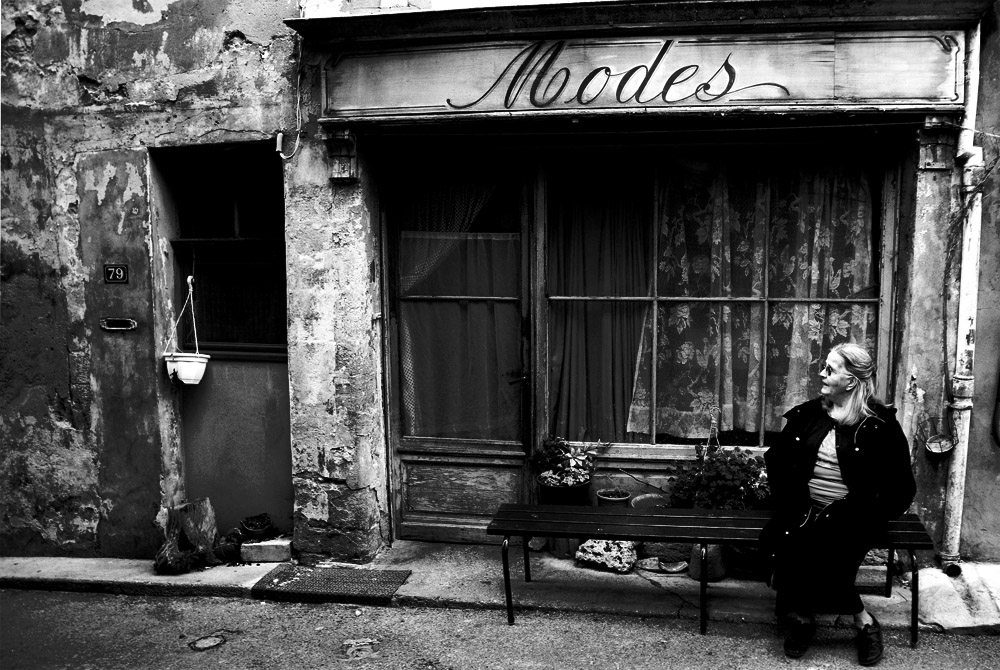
x=94, y=631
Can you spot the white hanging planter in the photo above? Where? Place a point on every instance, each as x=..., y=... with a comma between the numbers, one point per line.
x=185, y=367
x=188, y=368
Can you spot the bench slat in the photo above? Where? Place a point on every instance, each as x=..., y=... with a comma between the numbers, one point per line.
x=627, y=532
x=664, y=524
x=645, y=525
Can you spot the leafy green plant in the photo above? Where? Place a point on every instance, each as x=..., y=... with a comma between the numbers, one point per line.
x=721, y=478
x=561, y=463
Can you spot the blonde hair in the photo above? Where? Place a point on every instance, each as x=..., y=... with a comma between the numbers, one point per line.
x=860, y=365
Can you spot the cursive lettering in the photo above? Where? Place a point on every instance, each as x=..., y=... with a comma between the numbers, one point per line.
x=535, y=72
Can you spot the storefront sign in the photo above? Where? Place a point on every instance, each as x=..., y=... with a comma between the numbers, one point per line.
x=884, y=70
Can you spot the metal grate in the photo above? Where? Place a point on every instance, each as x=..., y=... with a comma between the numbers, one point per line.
x=296, y=583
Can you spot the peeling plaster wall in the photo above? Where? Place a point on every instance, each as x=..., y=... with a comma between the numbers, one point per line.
x=338, y=444
x=925, y=286
x=49, y=493
x=927, y=303
x=89, y=425
x=981, y=518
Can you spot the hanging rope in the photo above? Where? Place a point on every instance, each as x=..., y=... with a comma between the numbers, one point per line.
x=180, y=315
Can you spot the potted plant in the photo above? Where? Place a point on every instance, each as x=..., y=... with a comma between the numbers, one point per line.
x=564, y=475
x=722, y=478
x=613, y=497
x=565, y=470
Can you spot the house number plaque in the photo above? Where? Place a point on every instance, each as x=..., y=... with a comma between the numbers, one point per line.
x=116, y=273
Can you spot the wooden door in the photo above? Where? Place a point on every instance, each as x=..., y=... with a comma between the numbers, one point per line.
x=457, y=326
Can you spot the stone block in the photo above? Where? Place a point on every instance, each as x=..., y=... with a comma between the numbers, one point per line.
x=614, y=555
x=267, y=551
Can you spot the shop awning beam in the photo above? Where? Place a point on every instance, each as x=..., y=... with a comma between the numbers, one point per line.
x=677, y=17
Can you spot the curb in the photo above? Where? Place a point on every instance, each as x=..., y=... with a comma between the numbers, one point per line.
x=126, y=588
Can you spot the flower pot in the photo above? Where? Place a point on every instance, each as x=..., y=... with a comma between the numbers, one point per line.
x=578, y=494
x=188, y=368
x=713, y=560
x=613, y=498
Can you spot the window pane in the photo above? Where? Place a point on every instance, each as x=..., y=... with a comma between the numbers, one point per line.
x=800, y=337
x=458, y=360
x=600, y=232
x=821, y=235
x=593, y=348
x=711, y=231
x=708, y=363
x=460, y=264
x=239, y=295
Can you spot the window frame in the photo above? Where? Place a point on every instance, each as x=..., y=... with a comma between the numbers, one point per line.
x=639, y=456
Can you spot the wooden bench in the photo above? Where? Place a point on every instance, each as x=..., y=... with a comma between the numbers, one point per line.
x=662, y=524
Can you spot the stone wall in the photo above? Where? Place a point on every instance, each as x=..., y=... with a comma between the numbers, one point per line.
x=980, y=537
x=338, y=444
x=90, y=451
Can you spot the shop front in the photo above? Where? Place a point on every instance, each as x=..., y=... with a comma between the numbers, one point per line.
x=629, y=234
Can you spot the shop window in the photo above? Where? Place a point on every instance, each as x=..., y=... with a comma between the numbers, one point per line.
x=458, y=257
x=228, y=203
x=703, y=286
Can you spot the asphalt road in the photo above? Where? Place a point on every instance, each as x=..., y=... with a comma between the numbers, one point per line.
x=40, y=629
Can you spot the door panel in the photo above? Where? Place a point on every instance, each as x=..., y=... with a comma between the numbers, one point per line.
x=457, y=323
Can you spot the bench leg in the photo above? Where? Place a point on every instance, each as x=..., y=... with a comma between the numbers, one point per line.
x=888, y=573
x=704, y=588
x=506, y=579
x=914, y=599
x=527, y=562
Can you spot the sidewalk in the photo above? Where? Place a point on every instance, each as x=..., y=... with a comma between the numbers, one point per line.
x=470, y=576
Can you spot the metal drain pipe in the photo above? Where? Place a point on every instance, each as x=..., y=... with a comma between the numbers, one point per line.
x=970, y=158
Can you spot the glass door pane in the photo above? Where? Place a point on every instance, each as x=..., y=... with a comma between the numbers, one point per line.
x=459, y=262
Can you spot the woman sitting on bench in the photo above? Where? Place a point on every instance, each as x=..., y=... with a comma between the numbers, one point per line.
x=839, y=472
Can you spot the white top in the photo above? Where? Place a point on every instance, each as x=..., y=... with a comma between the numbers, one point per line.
x=827, y=484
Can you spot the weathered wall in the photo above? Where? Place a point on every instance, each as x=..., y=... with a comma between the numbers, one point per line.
x=925, y=280
x=49, y=493
x=980, y=538
x=338, y=443
x=89, y=424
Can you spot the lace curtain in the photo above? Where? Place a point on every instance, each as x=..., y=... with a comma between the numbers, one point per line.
x=725, y=230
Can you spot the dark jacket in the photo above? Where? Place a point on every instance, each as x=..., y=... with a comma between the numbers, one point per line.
x=874, y=459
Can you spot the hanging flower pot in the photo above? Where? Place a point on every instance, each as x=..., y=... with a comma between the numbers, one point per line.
x=186, y=367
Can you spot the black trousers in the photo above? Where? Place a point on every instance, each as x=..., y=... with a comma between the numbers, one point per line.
x=817, y=565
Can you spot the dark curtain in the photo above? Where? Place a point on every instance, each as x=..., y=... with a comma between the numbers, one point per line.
x=460, y=350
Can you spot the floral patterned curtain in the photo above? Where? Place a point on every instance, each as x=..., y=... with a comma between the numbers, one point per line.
x=721, y=229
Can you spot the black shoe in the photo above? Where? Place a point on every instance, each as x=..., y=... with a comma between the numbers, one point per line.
x=869, y=643
x=797, y=637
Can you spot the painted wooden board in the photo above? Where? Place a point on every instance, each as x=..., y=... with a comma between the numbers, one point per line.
x=899, y=69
